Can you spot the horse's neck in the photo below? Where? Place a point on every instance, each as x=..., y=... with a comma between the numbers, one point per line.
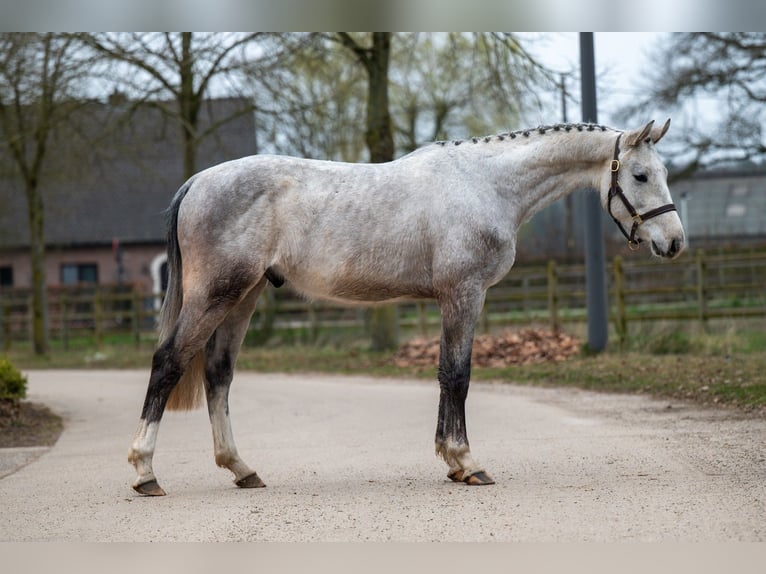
x=549, y=166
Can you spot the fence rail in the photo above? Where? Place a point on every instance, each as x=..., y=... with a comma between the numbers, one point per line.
x=695, y=287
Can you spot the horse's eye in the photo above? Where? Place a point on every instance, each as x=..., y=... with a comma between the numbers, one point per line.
x=641, y=178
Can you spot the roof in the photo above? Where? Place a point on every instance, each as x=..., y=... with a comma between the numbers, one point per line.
x=120, y=187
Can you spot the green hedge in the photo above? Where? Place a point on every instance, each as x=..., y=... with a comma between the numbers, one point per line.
x=13, y=385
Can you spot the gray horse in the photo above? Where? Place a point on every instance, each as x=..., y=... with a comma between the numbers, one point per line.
x=439, y=223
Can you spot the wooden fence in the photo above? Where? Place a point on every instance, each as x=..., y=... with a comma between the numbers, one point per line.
x=696, y=286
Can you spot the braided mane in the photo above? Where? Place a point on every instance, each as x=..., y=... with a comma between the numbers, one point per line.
x=539, y=130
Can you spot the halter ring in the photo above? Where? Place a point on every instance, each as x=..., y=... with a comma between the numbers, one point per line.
x=615, y=166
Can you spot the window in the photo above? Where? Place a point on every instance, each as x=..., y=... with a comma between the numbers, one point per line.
x=75, y=273
x=736, y=210
x=6, y=276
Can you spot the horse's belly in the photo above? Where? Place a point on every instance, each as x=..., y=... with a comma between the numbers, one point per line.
x=358, y=288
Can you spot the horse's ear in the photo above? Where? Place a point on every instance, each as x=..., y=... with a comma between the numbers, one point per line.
x=635, y=137
x=657, y=133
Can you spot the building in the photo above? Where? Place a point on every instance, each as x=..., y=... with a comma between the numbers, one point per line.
x=105, y=202
x=724, y=207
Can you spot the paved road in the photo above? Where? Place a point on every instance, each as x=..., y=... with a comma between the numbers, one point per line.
x=351, y=458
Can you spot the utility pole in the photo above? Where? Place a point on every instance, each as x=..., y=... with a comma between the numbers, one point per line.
x=595, y=269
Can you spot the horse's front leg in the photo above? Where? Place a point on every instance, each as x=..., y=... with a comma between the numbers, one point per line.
x=460, y=312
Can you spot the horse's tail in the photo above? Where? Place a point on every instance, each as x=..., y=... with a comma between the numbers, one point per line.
x=188, y=393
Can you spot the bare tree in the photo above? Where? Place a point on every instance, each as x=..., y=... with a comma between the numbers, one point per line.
x=440, y=85
x=374, y=55
x=313, y=104
x=40, y=75
x=693, y=71
x=186, y=67
x=462, y=84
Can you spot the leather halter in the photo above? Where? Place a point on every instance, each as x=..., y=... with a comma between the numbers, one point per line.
x=616, y=191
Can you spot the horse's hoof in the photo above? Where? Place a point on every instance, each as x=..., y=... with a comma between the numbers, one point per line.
x=456, y=475
x=480, y=478
x=250, y=481
x=150, y=488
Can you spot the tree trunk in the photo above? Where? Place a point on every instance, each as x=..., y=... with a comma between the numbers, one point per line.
x=384, y=321
x=379, y=134
x=189, y=104
x=37, y=260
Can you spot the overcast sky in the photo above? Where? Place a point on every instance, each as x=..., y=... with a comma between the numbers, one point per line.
x=621, y=58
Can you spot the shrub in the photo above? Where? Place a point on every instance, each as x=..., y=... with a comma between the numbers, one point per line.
x=13, y=385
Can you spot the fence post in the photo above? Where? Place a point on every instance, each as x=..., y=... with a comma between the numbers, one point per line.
x=422, y=319
x=64, y=303
x=5, y=322
x=313, y=333
x=30, y=320
x=135, y=316
x=701, y=298
x=553, y=295
x=524, y=290
x=484, y=318
x=97, y=318
x=620, y=319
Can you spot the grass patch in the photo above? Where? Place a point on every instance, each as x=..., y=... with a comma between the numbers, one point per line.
x=726, y=380
x=726, y=366
x=108, y=357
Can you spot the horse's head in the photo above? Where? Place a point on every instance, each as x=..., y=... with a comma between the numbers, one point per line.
x=635, y=193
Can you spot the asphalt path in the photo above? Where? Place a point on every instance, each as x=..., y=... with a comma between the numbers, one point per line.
x=352, y=459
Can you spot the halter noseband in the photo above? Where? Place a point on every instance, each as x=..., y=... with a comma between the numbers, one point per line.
x=638, y=219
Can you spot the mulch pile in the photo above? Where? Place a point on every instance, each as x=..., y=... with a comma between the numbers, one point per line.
x=509, y=348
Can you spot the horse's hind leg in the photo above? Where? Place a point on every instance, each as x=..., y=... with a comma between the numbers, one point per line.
x=168, y=364
x=220, y=356
x=460, y=311
x=194, y=326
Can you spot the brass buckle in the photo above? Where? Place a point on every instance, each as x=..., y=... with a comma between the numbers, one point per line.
x=615, y=166
x=637, y=219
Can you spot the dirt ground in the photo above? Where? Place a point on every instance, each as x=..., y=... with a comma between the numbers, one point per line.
x=351, y=459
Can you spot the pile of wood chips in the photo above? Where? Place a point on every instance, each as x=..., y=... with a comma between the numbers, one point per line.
x=509, y=348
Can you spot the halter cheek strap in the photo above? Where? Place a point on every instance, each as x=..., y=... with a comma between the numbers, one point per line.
x=616, y=191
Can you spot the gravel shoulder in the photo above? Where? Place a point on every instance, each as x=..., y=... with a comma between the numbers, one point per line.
x=351, y=459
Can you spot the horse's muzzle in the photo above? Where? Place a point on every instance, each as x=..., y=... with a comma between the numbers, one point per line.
x=674, y=249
